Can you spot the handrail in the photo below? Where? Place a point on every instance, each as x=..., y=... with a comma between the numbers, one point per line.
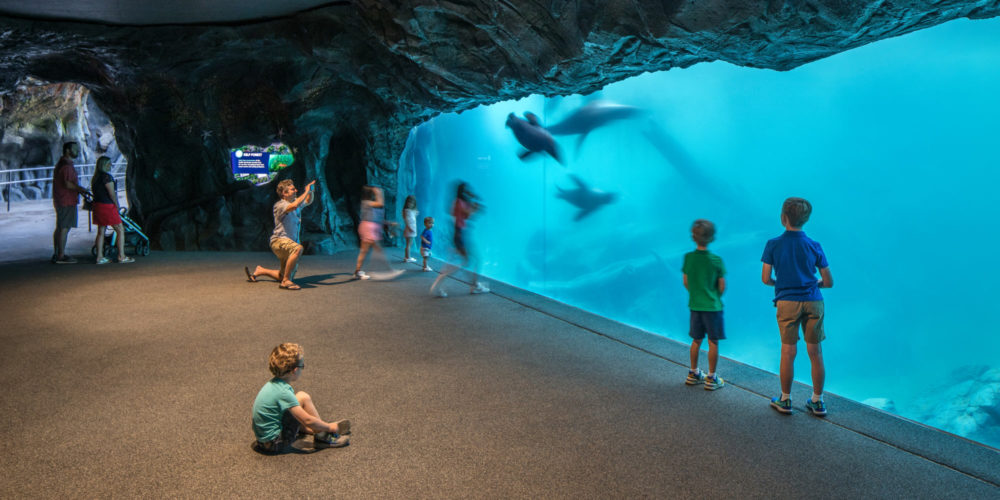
x=118, y=176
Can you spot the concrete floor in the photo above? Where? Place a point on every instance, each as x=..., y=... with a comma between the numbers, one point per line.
x=137, y=380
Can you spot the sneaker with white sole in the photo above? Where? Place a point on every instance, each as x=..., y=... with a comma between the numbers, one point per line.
x=695, y=377
x=818, y=408
x=361, y=275
x=427, y=269
x=783, y=406
x=327, y=440
x=411, y=259
x=343, y=426
x=126, y=260
x=103, y=260
x=480, y=288
x=714, y=382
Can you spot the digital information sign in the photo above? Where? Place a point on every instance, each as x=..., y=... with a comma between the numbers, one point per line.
x=245, y=162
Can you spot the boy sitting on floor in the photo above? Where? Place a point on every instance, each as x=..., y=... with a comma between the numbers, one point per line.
x=278, y=411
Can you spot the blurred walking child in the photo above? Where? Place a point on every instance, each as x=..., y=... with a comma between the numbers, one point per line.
x=466, y=204
x=370, y=232
x=279, y=412
x=410, y=226
x=704, y=278
x=427, y=241
x=795, y=258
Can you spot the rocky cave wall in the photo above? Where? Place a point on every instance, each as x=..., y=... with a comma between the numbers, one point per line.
x=343, y=85
x=35, y=120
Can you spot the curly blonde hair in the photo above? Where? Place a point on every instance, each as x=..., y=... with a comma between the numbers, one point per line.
x=284, y=358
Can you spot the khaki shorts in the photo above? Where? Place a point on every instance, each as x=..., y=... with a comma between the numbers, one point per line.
x=792, y=313
x=283, y=249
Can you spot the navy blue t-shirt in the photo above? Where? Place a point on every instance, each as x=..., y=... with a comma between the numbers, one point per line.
x=795, y=259
x=98, y=188
x=429, y=236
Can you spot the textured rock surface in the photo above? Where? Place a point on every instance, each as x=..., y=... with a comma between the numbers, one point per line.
x=343, y=85
x=35, y=121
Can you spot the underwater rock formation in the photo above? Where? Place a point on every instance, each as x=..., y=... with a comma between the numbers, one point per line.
x=968, y=406
x=344, y=83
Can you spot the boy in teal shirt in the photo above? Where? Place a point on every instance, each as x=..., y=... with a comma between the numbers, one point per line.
x=280, y=413
x=704, y=278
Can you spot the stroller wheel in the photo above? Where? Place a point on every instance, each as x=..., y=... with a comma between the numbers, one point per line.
x=143, y=248
x=93, y=250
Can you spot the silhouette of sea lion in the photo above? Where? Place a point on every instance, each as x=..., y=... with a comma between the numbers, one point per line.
x=591, y=116
x=583, y=197
x=530, y=133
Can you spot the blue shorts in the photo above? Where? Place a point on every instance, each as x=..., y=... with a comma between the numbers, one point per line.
x=707, y=322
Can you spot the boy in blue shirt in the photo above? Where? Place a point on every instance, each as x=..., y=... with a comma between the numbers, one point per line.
x=795, y=258
x=704, y=278
x=278, y=411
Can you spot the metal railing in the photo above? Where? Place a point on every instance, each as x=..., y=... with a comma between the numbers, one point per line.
x=85, y=172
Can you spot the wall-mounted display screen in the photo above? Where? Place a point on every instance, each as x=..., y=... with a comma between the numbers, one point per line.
x=259, y=164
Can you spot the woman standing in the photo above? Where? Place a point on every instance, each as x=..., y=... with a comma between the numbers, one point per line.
x=105, y=209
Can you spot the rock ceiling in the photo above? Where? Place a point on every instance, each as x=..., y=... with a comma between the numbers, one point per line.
x=353, y=77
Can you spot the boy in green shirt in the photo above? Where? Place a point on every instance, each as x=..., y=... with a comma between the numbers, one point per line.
x=704, y=279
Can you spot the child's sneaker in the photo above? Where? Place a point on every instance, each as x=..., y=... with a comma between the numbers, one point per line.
x=361, y=275
x=343, y=426
x=713, y=383
x=427, y=269
x=782, y=406
x=818, y=408
x=695, y=377
x=481, y=288
x=411, y=259
x=327, y=440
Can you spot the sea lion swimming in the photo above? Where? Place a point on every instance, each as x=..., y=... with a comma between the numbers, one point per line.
x=530, y=133
x=583, y=197
x=591, y=116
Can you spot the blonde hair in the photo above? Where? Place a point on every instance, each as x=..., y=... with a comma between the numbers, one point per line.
x=703, y=231
x=104, y=164
x=283, y=185
x=284, y=358
x=796, y=211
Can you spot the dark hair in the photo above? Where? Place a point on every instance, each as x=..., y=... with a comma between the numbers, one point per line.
x=703, y=231
x=796, y=211
x=409, y=199
x=68, y=145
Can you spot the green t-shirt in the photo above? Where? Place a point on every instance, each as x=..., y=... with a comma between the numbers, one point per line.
x=703, y=270
x=273, y=400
